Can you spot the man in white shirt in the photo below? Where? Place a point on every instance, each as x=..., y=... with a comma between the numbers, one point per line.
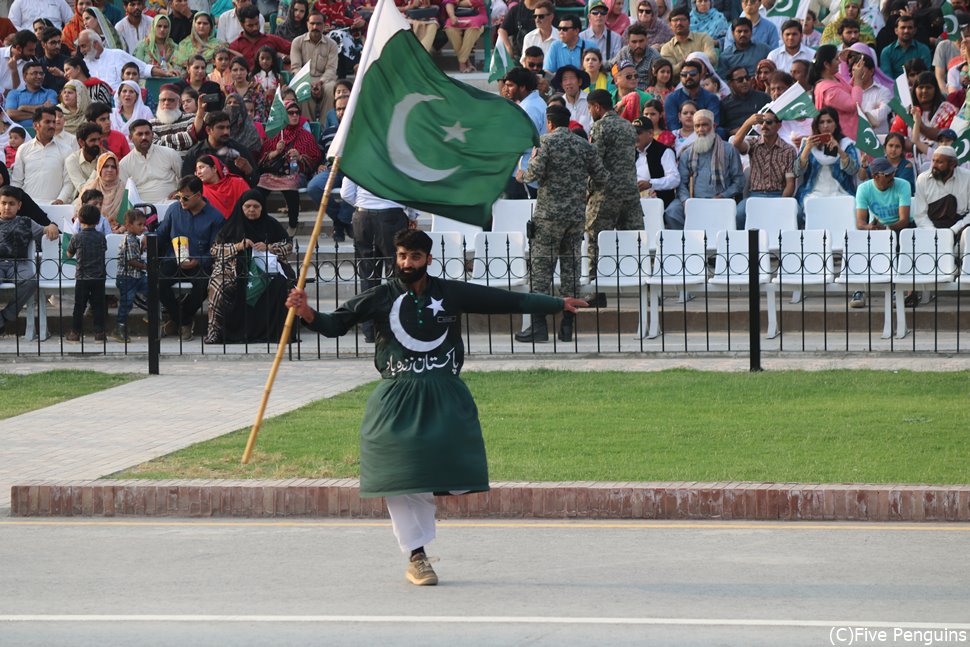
x=544, y=35
x=791, y=49
x=942, y=193
x=23, y=13
x=229, y=28
x=657, y=171
x=568, y=80
x=155, y=169
x=39, y=167
x=133, y=28
x=322, y=54
x=875, y=98
x=106, y=64
x=607, y=41
x=23, y=48
x=82, y=163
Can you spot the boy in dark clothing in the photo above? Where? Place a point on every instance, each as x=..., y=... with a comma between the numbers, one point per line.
x=89, y=246
x=16, y=233
x=131, y=270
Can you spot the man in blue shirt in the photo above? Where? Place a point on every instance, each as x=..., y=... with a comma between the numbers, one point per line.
x=569, y=50
x=762, y=30
x=744, y=51
x=521, y=86
x=690, y=78
x=196, y=221
x=22, y=103
x=895, y=55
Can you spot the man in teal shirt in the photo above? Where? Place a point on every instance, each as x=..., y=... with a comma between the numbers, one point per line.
x=882, y=202
x=895, y=55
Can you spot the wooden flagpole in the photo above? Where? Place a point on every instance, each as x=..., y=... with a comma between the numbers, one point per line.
x=291, y=315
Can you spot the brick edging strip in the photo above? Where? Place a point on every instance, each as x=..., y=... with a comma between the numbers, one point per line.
x=538, y=500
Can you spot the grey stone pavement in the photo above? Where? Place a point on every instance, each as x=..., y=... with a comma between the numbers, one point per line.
x=197, y=398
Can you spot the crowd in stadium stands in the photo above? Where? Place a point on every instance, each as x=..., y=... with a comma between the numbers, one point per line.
x=172, y=101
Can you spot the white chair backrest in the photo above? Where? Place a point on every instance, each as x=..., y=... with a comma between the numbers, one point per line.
x=680, y=254
x=805, y=254
x=447, y=255
x=867, y=254
x=162, y=207
x=499, y=257
x=51, y=267
x=58, y=212
x=772, y=215
x=440, y=223
x=653, y=215
x=835, y=213
x=731, y=260
x=623, y=255
x=710, y=215
x=512, y=215
x=926, y=252
x=112, y=254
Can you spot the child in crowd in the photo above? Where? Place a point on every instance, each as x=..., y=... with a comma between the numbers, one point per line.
x=190, y=101
x=130, y=72
x=712, y=85
x=111, y=140
x=268, y=70
x=16, y=231
x=94, y=198
x=810, y=37
x=89, y=247
x=132, y=279
x=220, y=68
x=17, y=137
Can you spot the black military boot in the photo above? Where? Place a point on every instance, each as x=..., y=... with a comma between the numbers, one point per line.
x=537, y=332
x=566, y=326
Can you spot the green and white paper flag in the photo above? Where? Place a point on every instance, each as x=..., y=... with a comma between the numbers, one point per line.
x=962, y=146
x=128, y=200
x=951, y=26
x=300, y=83
x=501, y=62
x=902, y=99
x=413, y=135
x=793, y=104
x=866, y=139
x=797, y=9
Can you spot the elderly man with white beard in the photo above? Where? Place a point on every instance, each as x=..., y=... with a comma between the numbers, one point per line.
x=171, y=125
x=709, y=168
x=106, y=64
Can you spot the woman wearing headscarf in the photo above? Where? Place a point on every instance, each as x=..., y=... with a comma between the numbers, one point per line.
x=73, y=27
x=295, y=23
x=293, y=144
x=845, y=69
x=234, y=313
x=75, y=99
x=849, y=9
x=762, y=72
x=706, y=19
x=220, y=187
x=95, y=21
x=128, y=107
x=241, y=126
x=157, y=48
x=201, y=41
x=616, y=18
x=106, y=180
x=658, y=29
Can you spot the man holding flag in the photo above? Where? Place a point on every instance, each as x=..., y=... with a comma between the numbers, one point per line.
x=430, y=143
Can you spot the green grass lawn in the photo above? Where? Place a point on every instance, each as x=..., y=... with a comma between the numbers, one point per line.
x=22, y=393
x=834, y=426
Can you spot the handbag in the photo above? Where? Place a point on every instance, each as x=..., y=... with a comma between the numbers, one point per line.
x=421, y=13
x=465, y=12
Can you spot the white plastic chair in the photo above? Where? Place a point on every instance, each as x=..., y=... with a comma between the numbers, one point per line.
x=447, y=255
x=54, y=277
x=653, y=217
x=513, y=215
x=440, y=223
x=58, y=212
x=835, y=213
x=624, y=262
x=500, y=262
x=710, y=215
x=111, y=258
x=771, y=215
x=681, y=261
x=804, y=263
x=867, y=260
x=926, y=259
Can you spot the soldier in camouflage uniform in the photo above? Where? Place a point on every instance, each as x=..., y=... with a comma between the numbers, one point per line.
x=562, y=166
x=617, y=205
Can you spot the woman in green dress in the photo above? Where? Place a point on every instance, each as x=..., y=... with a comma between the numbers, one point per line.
x=201, y=41
x=158, y=48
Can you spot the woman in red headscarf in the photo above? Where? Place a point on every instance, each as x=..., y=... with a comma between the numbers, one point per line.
x=288, y=159
x=220, y=187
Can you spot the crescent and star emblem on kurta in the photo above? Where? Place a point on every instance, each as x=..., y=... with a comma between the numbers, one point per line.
x=404, y=338
x=400, y=153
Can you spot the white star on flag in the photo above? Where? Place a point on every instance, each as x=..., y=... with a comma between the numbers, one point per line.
x=436, y=306
x=455, y=132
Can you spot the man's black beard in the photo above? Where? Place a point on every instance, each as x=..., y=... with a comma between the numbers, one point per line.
x=941, y=176
x=92, y=151
x=410, y=276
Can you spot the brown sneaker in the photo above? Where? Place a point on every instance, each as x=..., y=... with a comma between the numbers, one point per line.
x=72, y=337
x=99, y=336
x=185, y=333
x=420, y=572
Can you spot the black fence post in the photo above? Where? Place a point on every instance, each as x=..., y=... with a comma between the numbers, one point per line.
x=154, y=343
x=754, y=300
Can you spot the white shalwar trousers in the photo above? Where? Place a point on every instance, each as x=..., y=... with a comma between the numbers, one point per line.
x=412, y=517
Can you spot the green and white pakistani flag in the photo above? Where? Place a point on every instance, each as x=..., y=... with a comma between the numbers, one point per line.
x=902, y=99
x=413, y=135
x=128, y=200
x=300, y=83
x=793, y=104
x=951, y=26
x=797, y=9
x=866, y=139
x=501, y=62
x=962, y=147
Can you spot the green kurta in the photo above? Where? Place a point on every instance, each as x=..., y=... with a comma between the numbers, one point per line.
x=420, y=431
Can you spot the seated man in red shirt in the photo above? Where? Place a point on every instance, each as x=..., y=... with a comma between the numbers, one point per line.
x=252, y=39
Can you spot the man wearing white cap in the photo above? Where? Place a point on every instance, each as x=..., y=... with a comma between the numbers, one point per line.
x=943, y=193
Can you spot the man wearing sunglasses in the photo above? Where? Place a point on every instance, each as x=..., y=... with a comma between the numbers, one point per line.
x=686, y=41
x=638, y=51
x=742, y=102
x=544, y=35
x=690, y=90
x=772, y=161
x=598, y=34
x=570, y=47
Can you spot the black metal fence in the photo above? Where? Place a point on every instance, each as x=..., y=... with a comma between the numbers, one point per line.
x=673, y=291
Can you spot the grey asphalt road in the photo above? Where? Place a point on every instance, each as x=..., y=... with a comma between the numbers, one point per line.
x=151, y=582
